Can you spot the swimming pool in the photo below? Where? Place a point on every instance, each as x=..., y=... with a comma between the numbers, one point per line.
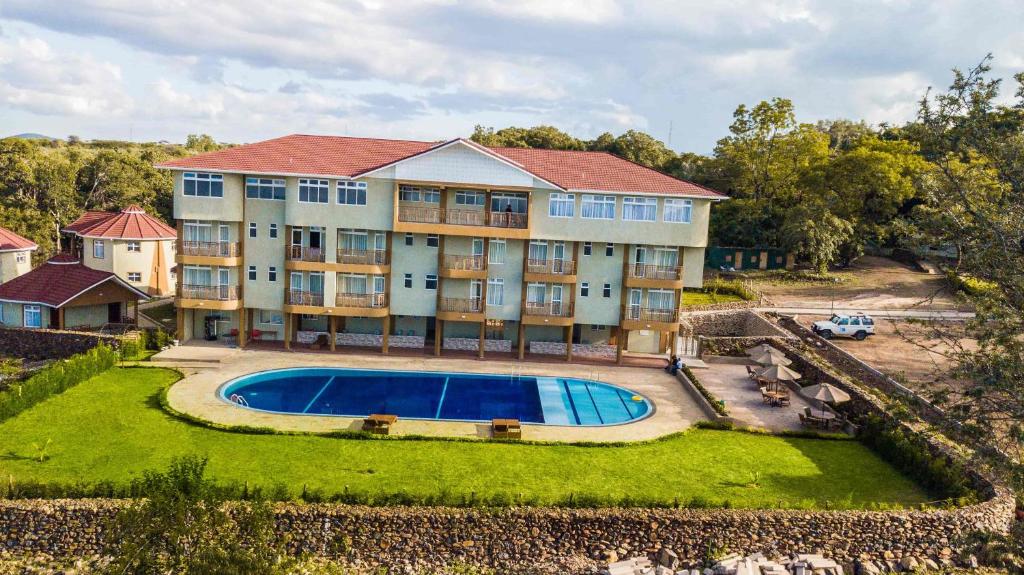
x=436, y=395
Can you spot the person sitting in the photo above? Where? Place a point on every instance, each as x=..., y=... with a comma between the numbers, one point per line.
x=676, y=365
x=670, y=367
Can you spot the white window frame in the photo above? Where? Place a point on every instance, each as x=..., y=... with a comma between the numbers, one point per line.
x=213, y=182
x=609, y=249
x=21, y=257
x=265, y=189
x=322, y=188
x=561, y=205
x=99, y=249
x=606, y=289
x=272, y=274
x=133, y=246
x=495, y=292
x=137, y=277
x=348, y=190
x=595, y=207
x=584, y=289
x=436, y=239
x=37, y=311
x=588, y=248
x=273, y=231
x=497, y=256
x=276, y=317
x=419, y=194
x=677, y=211
x=253, y=230
x=407, y=281
x=426, y=282
x=634, y=206
x=251, y=274
x=470, y=198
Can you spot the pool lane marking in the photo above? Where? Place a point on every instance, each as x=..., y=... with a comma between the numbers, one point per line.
x=440, y=402
x=572, y=404
x=629, y=413
x=318, y=394
x=597, y=410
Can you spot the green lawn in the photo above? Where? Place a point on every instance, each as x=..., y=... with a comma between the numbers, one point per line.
x=112, y=428
x=704, y=298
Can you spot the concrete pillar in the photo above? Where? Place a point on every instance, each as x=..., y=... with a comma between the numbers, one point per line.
x=242, y=323
x=621, y=344
x=568, y=342
x=522, y=340
x=385, y=332
x=438, y=335
x=287, y=331
x=332, y=322
x=483, y=335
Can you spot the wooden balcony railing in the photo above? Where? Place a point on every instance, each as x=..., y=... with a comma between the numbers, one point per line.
x=655, y=272
x=364, y=300
x=635, y=312
x=556, y=267
x=464, y=263
x=363, y=257
x=218, y=293
x=209, y=249
x=303, y=254
x=302, y=297
x=460, y=217
x=462, y=305
x=549, y=309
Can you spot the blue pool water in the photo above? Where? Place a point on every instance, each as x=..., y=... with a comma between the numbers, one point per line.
x=438, y=395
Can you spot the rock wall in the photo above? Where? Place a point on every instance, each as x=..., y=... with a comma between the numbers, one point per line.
x=741, y=323
x=473, y=344
x=38, y=344
x=428, y=536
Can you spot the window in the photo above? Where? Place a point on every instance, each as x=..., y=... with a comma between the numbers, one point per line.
x=597, y=207
x=678, y=211
x=470, y=198
x=430, y=282
x=264, y=189
x=134, y=246
x=198, y=276
x=496, y=291
x=252, y=229
x=21, y=258
x=271, y=317
x=609, y=250
x=498, y=249
x=273, y=231
x=561, y=205
x=98, y=249
x=500, y=202
x=587, y=248
x=408, y=280
x=408, y=239
x=198, y=232
x=272, y=274
x=419, y=194
x=432, y=240
x=135, y=277
x=596, y=327
x=606, y=291
x=33, y=316
x=203, y=185
x=639, y=209
x=252, y=273
x=351, y=193
x=661, y=299
x=313, y=191
x=585, y=289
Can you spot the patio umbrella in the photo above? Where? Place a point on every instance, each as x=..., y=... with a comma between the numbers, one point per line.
x=825, y=393
x=761, y=349
x=773, y=359
x=777, y=373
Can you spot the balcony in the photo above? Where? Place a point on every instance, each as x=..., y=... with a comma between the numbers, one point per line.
x=548, y=313
x=428, y=219
x=361, y=304
x=636, y=317
x=305, y=298
x=460, y=309
x=654, y=276
x=303, y=254
x=464, y=267
x=213, y=297
x=209, y=253
x=550, y=271
x=363, y=261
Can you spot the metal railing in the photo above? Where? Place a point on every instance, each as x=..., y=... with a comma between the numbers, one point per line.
x=549, y=309
x=365, y=257
x=655, y=272
x=464, y=263
x=208, y=292
x=365, y=300
x=463, y=305
x=556, y=267
x=209, y=249
x=304, y=254
x=302, y=297
x=460, y=217
x=638, y=313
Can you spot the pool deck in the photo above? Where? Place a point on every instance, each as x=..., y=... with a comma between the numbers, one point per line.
x=207, y=368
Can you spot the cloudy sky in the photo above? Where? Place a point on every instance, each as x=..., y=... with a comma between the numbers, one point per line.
x=243, y=70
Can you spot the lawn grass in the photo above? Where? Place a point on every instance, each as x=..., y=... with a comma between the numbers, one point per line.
x=111, y=429
x=705, y=298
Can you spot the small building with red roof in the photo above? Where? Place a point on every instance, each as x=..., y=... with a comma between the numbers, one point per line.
x=15, y=255
x=134, y=245
x=65, y=294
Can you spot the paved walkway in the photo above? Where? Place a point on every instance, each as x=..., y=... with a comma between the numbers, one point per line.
x=946, y=314
x=729, y=382
x=209, y=366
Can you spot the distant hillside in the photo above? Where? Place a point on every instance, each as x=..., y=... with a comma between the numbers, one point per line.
x=33, y=136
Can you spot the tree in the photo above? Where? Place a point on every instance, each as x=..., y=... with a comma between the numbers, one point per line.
x=814, y=233
x=199, y=143
x=545, y=137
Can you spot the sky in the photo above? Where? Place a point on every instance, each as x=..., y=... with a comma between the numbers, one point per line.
x=247, y=70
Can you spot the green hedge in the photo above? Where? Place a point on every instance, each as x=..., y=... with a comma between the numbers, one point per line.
x=716, y=404
x=734, y=287
x=54, y=379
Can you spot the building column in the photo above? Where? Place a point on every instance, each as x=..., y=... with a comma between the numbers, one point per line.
x=332, y=323
x=675, y=343
x=620, y=344
x=181, y=321
x=568, y=342
x=438, y=335
x=483, y=336
x=287, y=331
x=135, y=313
x=243, y=319
x=385, y=333
x=60, y=318
x=522, y=339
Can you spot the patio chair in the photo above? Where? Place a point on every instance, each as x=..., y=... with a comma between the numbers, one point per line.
x=750, y=373
x=764, y=396
x=784, y=398
x=804, y=422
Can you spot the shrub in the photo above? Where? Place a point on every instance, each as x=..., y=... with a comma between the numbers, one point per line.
x=129, y=349
x=734, y=287
x=54, y=379
x=716, y=404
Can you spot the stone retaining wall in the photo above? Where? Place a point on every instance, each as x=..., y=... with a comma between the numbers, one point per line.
x=473, y=344
x=498, y=538
x=39, y=344
x=741, y=323
x=603, y=351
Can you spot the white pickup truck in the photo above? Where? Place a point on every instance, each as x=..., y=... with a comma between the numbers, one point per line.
x=857, y=326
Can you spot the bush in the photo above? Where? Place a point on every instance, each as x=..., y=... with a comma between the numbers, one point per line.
x=716, y=404
x=54, y=379
x=733, y=287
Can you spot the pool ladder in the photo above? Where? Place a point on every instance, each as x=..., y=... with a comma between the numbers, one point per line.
x=238, y=399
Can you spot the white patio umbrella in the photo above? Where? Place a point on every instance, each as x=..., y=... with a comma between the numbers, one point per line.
x=777, y=373
x=773, y=359
x=761, y=349
x=825, y=393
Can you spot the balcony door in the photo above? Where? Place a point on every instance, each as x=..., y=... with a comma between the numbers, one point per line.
x=476, y=293
x=558, y=257
x=316, y=241
x=223, y=235
x=666, y=258
x=639, y=260
x=556, y=299
x=378, y=291
x=380, y=247
x=538, y=252
x=223, y=282
x=636, y=298
x=296, y=249
x=535, y=295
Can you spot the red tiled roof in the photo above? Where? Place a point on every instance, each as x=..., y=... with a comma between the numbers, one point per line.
x=56, y=282
x=12, y=242
x=352, y=157
x=131, y=223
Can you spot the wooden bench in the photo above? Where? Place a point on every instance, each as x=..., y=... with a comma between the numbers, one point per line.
x=379, y=423
x=506, y=429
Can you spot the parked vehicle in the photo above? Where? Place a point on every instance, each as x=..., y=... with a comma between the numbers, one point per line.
x=857, y=326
